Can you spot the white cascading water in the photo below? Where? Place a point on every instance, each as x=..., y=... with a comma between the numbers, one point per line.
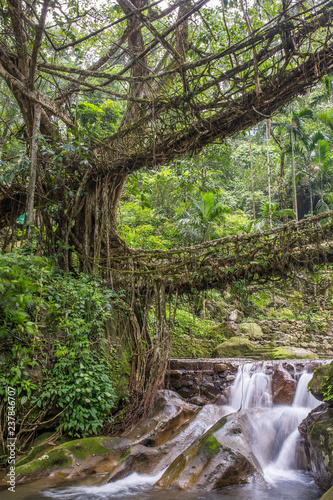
x=275, y=436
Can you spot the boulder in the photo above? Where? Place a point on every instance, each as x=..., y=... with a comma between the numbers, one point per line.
x=251, y=330
x=322, y=378
x=233, y=348
x=73, y=458
x=283, y=387
x=170, y=413
x=220, y=457
x=292, y=353
x=317, y=431
x=328, y=495
x=227, y=330
x=147, y=456
x=235, y=316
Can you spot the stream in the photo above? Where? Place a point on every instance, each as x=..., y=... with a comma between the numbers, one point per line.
x=275, y=442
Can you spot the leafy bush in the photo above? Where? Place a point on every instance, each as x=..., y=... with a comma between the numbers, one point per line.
x=53, y=349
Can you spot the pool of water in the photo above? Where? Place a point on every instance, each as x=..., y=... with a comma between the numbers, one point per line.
x=137, y=487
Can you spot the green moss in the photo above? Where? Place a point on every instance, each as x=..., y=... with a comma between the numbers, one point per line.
x=292, y=353
x=82, y=448
x=222, y=331
x=54, y=459
x=234, y=347
x=173, y=471
x=42, y=437
x=321, y=437
x=211, y=447
x=285, y=313
x=184, y=346
x=320, y=382
x=328, y=495
x=39, y=448
x=251, y=330
x=35, y=452
x=126, y=455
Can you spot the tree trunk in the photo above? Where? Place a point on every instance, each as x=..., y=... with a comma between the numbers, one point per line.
x=293, y=174
x=86, y=223
x=33, y=168
x=252, y=181
x=268, y=126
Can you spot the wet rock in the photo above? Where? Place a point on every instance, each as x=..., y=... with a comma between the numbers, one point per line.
x=220, y=367
x=219, y=458
x=328, y=495
x=198, y=400
x=317, y=431
x=170, y=413
x=322, y=377
x=283, y=387
x=74, y=458
x=147, y=456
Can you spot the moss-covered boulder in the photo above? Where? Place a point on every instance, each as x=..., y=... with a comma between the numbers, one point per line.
x=185, y=346
x=51, y=460
x=321, y=381
x=233, y=348
x=317, y=431
x=72, y=458
x=226, y=330
x=328, y=495
x=251, y=330
x=292, y=353
x=321, y=439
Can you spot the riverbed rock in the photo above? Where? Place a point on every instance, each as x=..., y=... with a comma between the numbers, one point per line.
x=251, y=330
x=322, y=378
x=328, y=495
x=147, y=456
x=233, y=348
x=317, y=431
x=283, y=387
x=170, y=413
x=221, y=457
x=74, y=458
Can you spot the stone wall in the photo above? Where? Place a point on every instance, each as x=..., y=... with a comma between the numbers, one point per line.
x=202, y=381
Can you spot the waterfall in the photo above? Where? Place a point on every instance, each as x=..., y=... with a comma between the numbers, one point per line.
x=303, y=397
x=252, y=387
x=275, y=438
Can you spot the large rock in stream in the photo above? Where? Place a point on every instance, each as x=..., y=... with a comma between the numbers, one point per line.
x=317, y=428
x=72, y=459
x=283, y=387
x=157, y=441
x=221, y=457
x=317, y=431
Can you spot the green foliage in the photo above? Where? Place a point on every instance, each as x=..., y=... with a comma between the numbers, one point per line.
x=189, y=324
x=80, y=387
x=52, y=345
x=197, y=224
x=99, y=120
x=328, y=389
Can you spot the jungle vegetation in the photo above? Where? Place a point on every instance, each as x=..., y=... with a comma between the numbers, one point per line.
x=134, y=136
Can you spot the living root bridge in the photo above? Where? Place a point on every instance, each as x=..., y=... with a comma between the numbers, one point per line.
x=256, y=257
